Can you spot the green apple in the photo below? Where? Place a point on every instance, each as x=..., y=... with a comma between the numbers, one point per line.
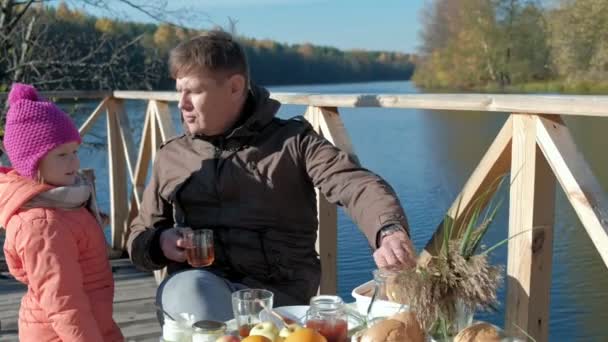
x=291, y=328
x=266, y=329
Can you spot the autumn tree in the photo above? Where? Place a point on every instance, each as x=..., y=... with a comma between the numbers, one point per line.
x=472, y=43
x=29, y=52
x=579, y=39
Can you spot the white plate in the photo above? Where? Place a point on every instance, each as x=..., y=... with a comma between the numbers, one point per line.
x=296, y=313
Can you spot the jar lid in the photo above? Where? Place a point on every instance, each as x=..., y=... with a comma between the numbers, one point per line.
x=209, y=326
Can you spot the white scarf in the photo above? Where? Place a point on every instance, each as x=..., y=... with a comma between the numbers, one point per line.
x=69, y=197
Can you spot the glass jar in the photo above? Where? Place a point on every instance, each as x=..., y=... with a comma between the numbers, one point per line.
x=464, y=316
x=460, y=318
x=208, y=331
x=380, y=305
x=327, y=315
x=175, y=331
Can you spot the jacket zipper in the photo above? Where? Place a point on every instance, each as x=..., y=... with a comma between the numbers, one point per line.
x=217, y=154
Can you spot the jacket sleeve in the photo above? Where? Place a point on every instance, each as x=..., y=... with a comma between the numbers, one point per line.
x=368, y=199
x=155, y=215
x=51, y=261
x=15, y=266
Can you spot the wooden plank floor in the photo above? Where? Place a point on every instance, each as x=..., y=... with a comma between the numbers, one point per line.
x=133, y=303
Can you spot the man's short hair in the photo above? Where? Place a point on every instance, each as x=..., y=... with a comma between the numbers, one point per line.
x=216, y=51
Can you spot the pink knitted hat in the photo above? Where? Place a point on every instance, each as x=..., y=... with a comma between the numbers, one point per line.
x=33, y=128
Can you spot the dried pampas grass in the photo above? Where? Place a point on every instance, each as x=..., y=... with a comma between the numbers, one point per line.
x=432, y=291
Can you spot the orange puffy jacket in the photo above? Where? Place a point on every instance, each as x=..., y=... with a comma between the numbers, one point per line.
x=61, y=256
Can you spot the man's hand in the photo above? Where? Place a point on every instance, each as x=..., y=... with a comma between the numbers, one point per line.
x=172, y=244
x=395, y=249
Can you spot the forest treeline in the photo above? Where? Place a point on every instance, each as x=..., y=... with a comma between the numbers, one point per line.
x=529, y=45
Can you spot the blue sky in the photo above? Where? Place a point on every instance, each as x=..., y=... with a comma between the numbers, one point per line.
x=347, y=24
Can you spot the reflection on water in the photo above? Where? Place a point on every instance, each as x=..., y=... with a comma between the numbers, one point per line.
x=427, y=156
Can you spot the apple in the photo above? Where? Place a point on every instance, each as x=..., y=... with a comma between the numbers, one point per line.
x=291, y=328
x=228, y=338
x=266, y=329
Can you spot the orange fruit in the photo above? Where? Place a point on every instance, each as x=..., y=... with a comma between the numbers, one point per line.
x=305, y=335
x=256, y=338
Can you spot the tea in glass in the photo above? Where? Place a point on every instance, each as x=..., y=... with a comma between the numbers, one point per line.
x=199, y=247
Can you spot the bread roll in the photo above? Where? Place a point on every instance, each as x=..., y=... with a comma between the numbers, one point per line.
x=402, y=327
x=479, y=332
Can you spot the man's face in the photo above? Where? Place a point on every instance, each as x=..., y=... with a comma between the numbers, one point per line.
x=210, y=103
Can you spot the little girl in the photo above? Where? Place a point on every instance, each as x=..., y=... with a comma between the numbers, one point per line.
x=54, y=243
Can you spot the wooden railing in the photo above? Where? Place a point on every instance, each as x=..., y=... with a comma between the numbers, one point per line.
x=534, y=145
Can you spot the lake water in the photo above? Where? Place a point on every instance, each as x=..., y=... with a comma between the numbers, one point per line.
x=427, y=156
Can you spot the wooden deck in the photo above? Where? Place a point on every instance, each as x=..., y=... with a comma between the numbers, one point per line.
x=134, y=309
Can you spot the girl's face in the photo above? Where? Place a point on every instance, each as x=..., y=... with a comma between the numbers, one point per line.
x=60, y=165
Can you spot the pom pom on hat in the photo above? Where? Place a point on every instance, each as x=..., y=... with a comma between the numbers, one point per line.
x=20, y=91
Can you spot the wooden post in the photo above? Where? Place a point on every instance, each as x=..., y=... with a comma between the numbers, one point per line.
x=576, y=178
x=163, y=120
x=327, y=245
x=126, y=137
x=86, y=126
x=155, y=140
x=130, y=158
x=161, y=129
x=531, y=216
x=142, y=164
x=118, y=179
x=327, y=232
x=494, y=164
x=326, y=121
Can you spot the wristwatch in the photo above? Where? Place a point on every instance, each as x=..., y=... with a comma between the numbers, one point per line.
x=388, y=230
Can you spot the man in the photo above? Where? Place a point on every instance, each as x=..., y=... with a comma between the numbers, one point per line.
x=251, y=178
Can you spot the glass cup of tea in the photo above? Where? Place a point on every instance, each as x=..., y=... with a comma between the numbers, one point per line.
x=247, y=305
x=199, y=247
